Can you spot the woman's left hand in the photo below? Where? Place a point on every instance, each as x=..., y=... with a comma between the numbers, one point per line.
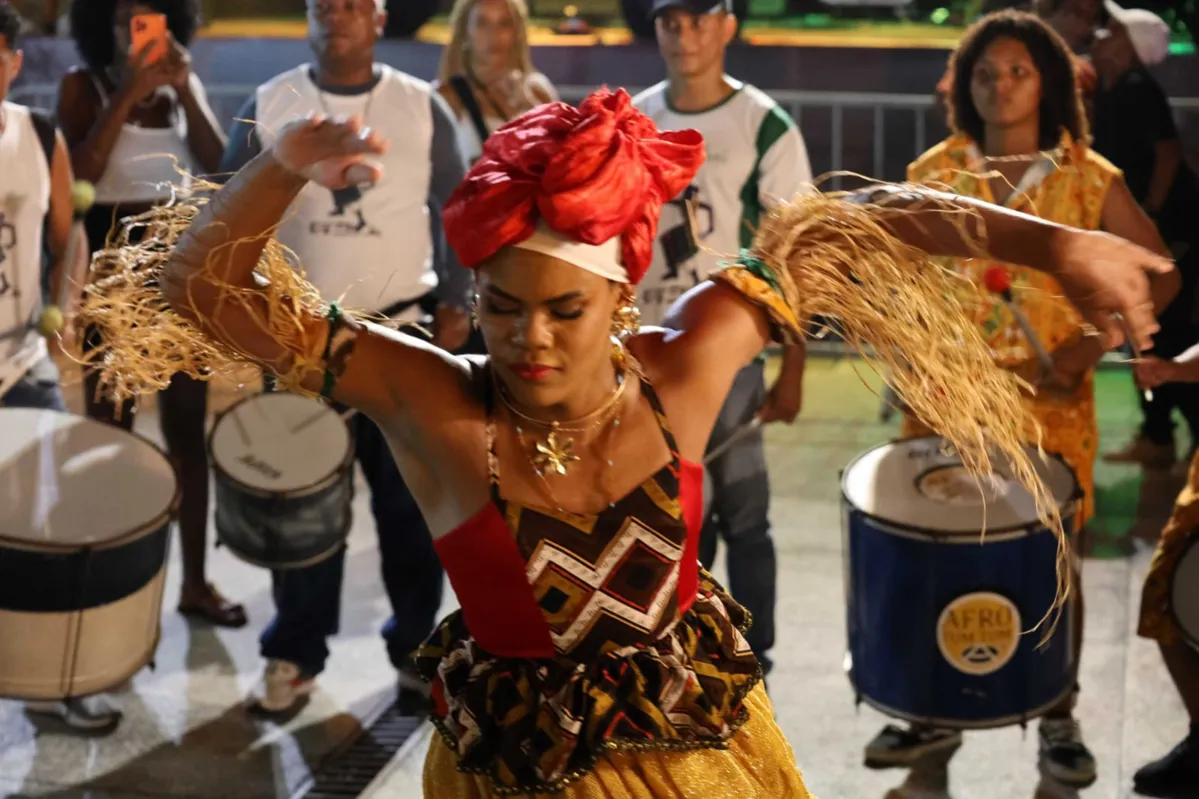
x=1103, y=276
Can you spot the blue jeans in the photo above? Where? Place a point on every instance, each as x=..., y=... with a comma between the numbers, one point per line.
x=740, y=510
x=308, y=600
x=39, y=388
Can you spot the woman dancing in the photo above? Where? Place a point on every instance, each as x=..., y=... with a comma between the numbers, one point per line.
x=1020, y=140
x=560, y=477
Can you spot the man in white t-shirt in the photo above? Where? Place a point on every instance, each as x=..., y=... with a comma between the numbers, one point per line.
x=35, y=217
x=373, y=247
x=755, y=156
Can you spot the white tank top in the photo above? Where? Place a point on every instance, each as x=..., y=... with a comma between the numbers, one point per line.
x=371, y=247
x=24, y=201
x=142, y=166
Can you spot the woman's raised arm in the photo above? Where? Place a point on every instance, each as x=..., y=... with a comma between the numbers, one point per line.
x=228, y=279
x=862, y=260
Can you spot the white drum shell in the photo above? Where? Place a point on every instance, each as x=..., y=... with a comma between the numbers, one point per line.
x=75, y=493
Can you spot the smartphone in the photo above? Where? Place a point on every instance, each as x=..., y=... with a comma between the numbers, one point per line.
x=149, y=28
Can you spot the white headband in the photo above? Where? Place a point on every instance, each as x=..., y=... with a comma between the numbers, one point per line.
x=600, y=259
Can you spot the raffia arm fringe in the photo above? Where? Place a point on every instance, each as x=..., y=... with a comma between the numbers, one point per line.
x=144, y=340
x=834, y=259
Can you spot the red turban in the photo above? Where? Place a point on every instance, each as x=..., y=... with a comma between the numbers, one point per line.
x=589, y=173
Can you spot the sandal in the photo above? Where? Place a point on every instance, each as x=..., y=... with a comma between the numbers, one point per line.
x=214, y=609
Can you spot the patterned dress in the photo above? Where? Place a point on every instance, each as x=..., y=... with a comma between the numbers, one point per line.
x=593, y=658
x=1156, y=622
x=1071, y=189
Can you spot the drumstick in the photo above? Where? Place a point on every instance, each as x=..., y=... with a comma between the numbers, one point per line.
x=738, y=434
x=241, y=429
x=1000, y=282
x=345, y=417
x=1136, y=351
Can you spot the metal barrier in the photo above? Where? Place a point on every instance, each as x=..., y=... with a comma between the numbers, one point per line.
x=834, y=146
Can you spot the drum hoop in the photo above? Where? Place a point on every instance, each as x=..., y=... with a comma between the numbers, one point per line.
x=958, y=724
x=262, y=493
x=1192, y=542
x=302, y=564
x=154, y=525
x=1067, y=507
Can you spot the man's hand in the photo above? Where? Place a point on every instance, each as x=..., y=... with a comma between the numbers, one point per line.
x=451, y=328
x=785, y=400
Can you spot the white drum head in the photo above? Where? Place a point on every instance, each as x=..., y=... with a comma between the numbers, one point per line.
x=280, y=442
x=1184, y=592
x=918, y=484
x=68, y=481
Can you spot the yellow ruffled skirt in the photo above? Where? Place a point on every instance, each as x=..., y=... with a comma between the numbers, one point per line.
x=757, y=763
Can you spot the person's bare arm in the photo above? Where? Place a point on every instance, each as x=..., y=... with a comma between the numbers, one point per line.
x=1122, y=217
x=1167, y=157
x=92, y=127
x=204, y=136
x=716, y=330
x=374, y=368
x=1100, y=273
x=60, y=220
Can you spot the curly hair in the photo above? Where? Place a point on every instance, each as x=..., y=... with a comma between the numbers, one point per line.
x=11, y=24
x=1061, y=101
x=91, y=26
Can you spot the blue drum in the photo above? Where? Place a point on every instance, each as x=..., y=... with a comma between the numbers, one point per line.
x=939, y=621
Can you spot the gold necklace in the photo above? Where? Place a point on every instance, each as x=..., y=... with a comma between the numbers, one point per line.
x=555, y=452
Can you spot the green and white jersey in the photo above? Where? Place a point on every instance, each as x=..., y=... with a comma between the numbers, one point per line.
x=755, y=158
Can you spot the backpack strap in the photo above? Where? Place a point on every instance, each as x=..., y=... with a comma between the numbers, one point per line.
x=467, y=98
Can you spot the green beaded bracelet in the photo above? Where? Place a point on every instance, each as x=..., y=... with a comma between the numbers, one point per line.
x=335, y=317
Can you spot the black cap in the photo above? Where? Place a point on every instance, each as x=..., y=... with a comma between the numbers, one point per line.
x=694, y=6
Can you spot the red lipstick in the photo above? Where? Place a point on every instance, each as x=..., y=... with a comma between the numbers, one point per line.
x=532, y=372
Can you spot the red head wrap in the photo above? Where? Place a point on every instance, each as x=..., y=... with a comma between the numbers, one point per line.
x=590, y=173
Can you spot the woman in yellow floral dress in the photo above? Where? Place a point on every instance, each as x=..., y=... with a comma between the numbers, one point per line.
x=1020, y=140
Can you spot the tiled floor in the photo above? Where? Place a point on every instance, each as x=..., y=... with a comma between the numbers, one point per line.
x=186, y=735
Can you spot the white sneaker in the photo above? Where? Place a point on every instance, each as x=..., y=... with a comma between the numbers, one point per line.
x=283, y=685
x=96, y=714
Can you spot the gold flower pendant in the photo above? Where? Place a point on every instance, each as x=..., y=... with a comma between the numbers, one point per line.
x=554, y=454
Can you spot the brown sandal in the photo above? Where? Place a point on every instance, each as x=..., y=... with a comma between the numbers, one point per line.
x=215, y=609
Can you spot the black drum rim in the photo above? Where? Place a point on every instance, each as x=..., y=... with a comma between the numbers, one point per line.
x=164, y=517
x=1067, y=508
x=312, y=488
x=1192, y=541
x=958, y=724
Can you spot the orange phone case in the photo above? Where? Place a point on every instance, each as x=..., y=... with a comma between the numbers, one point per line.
x=146, y=28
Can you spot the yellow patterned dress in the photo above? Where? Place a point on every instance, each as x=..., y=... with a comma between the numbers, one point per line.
x=1156, y=622
x=593, y=659
x=1069, y=189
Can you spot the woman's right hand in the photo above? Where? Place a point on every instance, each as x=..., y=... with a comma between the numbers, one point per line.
x=330, y=151
x=142, y=78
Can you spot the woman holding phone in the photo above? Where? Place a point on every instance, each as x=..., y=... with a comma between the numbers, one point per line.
x=134, y=117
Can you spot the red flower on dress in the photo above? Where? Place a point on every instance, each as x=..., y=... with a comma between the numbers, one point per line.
x=600, y=170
